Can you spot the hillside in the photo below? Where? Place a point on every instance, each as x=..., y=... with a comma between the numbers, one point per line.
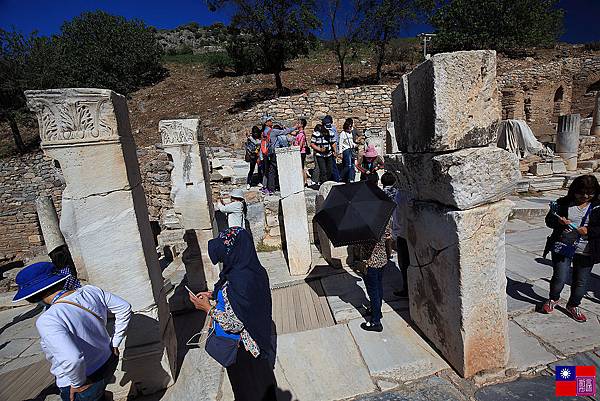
x=190, y=90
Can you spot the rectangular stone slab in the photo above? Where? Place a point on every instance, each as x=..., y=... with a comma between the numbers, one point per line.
x=452, y=103
x=457, y=282
x=463, y=179
x=321, y=364
x=398, y=353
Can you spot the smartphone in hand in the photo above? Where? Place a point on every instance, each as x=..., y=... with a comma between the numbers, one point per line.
x=192, y=292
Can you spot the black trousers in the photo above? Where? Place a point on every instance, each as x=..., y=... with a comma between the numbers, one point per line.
x=403, y=260
x=273, y=175
x=251, y=171
x=252, y=379
x=325, y=168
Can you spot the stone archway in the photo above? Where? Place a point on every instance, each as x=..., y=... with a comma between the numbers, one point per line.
x=559, y=95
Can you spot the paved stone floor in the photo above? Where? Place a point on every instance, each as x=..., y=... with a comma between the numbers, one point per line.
x=344, y=362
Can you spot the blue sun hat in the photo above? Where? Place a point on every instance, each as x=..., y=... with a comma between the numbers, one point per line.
x=36, y=278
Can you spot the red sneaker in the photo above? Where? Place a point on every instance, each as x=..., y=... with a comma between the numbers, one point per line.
x=549, y=305
x=576, y=314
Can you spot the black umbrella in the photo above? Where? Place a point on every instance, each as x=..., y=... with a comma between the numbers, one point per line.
x=354, y=213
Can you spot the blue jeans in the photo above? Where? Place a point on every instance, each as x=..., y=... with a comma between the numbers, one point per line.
x=582, y=267
x=374, y=284
x=94, y=393
x=348, y=172
x=335, y=173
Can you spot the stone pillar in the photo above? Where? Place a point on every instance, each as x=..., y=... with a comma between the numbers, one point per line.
x=192, y=198
x=391, y=145
x=399, y=110
x=336, y=256
x=595, y=130
x=56, y=247
x=567, y=139
x=105, y=222
x=455, y=228
x=293, y=204
x=49, y=223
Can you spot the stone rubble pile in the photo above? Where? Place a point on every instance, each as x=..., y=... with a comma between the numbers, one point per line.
x=446, y=113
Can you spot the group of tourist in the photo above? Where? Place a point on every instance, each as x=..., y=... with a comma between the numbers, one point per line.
x=327, y=145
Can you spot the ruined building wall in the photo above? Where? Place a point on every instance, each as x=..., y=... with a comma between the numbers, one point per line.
x=24, y=178
x=369, y=106
x=538, y=92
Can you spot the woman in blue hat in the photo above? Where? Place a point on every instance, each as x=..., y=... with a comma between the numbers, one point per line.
x=73, y=331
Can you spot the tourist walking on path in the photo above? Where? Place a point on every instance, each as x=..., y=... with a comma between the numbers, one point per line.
x=333, y=133
x=375, y=257
x=324, y=146
x=575, y=239
x=73, y=332
x=369, y=163
x=252, y=150
x=242, y=311
x=236, y=210
x=348, y=150
x=300, y=140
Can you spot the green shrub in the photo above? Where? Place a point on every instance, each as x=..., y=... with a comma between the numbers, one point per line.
x=218, y=62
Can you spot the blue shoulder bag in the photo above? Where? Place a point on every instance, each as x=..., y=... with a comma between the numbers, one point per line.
x=221, y=345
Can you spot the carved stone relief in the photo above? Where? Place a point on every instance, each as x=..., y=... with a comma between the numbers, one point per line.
x=74, y=115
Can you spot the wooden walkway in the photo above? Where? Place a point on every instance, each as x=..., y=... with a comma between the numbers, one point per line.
x=301, y=307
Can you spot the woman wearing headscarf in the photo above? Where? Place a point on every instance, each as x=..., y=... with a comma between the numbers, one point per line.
x=245, y=297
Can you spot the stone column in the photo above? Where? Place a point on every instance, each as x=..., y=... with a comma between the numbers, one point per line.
x=293, y=204
x=336, y=256
x=567, y=139
x=49, y=223
x=56, y=247
x=595, y=130
x=455, y=227
x=191, y=195
x=391, y=145
x=105, y=222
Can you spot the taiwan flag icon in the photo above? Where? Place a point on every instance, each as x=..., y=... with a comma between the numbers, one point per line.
x=566, y=385
x=575, y=381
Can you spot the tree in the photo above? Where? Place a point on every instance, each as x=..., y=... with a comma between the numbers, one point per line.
x=345, y=30
x=496, y=24
x=14, y=55
x=384, y=20
x=281, y=29
x=106, y=51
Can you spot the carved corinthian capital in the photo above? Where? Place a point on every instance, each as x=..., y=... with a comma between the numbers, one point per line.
x=179, y=132
x=77, y=116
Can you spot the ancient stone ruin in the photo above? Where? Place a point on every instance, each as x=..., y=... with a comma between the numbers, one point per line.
x=105, y=222
x=293, y=205
x=446, y=113
x=193, y=212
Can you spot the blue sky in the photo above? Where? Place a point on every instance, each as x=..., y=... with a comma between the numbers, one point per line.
x=582, y=22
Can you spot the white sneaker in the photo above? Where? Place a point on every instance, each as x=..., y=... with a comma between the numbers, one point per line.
x=260, y=185
x=247, y=186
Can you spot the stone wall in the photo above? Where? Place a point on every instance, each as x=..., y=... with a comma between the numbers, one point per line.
x=24, y=178
x=538, y=92
x=369, y=106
